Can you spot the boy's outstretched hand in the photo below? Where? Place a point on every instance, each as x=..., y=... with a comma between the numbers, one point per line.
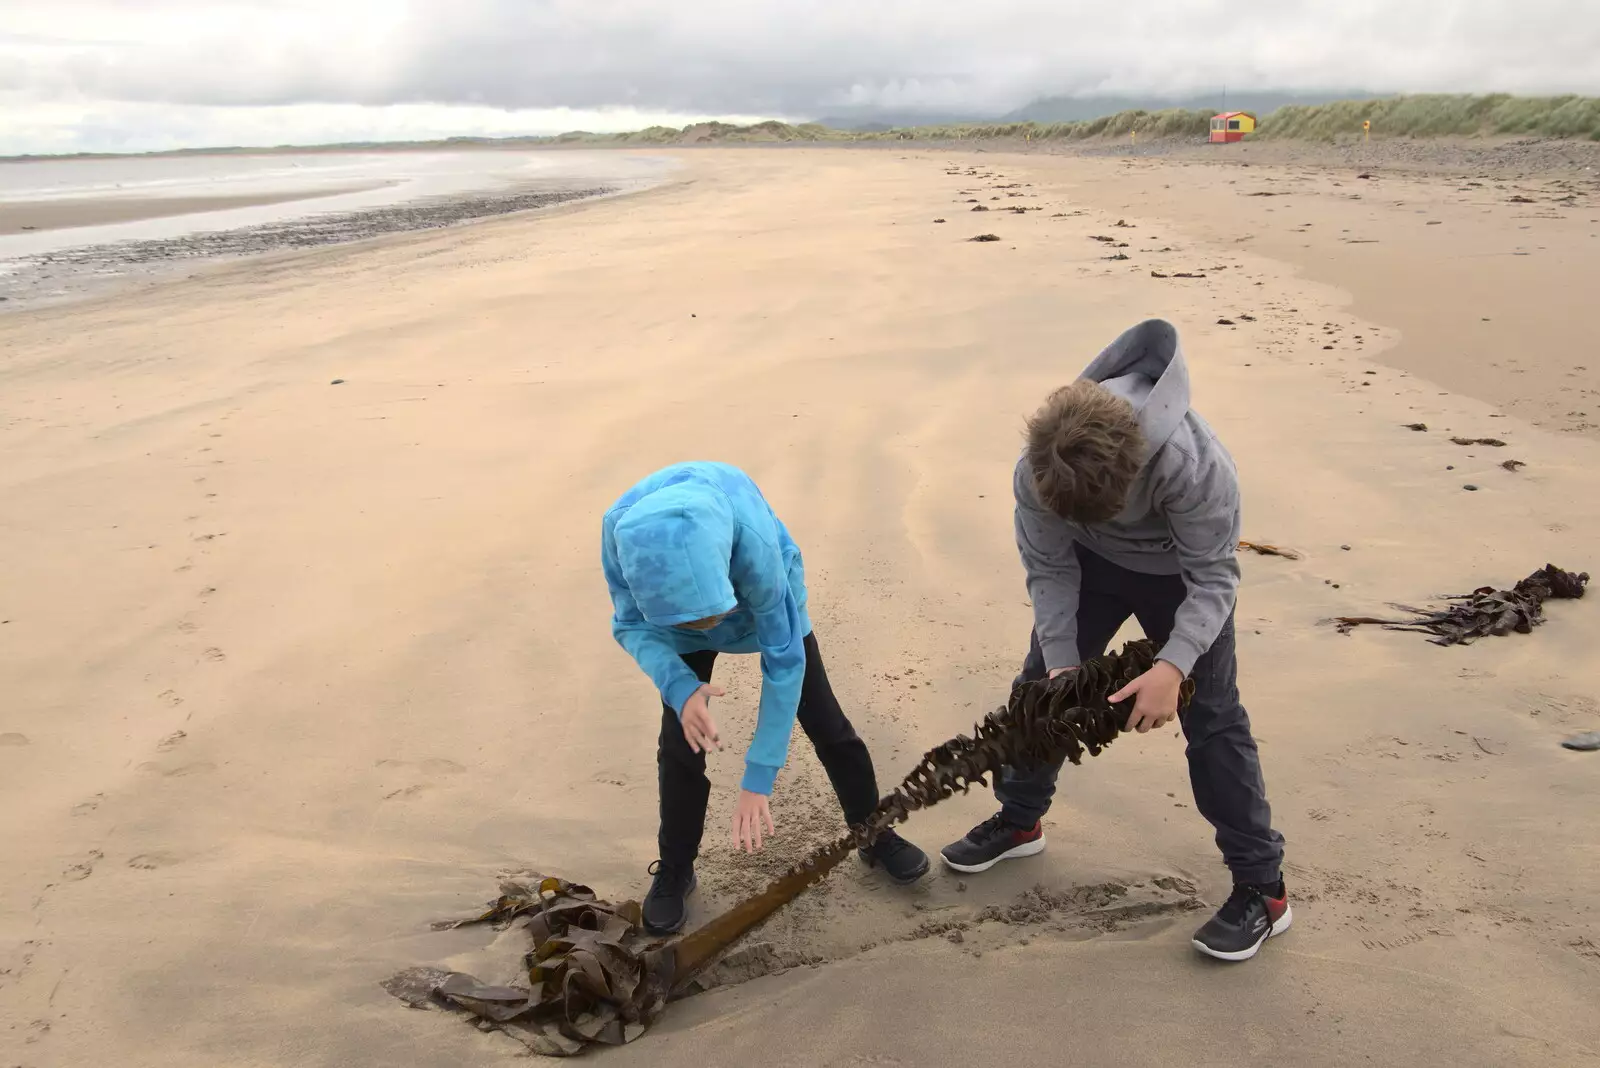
x=699, y=729
x=1155, y=696
x=748, y=817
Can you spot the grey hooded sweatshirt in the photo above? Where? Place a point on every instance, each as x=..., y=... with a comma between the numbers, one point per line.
x=1181, y=517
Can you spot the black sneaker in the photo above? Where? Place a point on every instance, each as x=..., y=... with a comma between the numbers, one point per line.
x=992, y=841
x=903, y=862
x=1251, y=915
x=665, y=909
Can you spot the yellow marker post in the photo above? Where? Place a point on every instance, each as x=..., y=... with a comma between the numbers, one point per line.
x=1366, y=130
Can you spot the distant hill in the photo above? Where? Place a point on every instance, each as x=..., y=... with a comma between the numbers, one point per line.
x=878, y=120
x=1077, y=109
x=1082, y=108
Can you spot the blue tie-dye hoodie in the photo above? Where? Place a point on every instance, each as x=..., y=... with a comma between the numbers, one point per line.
x=696, y=540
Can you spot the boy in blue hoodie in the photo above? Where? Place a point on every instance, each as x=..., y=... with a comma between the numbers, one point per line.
x=1128, y=505
x=698, y=564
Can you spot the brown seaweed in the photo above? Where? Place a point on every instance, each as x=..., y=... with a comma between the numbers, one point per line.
x=595, y=977
x=1485, y=611
x=1269, y=550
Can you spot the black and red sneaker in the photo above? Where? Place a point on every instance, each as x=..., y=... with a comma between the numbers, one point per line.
x=1251, y=915
x=992, y=841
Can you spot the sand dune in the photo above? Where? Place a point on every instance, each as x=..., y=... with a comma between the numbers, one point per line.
x=291, y=668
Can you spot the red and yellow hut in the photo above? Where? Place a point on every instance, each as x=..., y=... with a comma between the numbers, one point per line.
x=1231, y=126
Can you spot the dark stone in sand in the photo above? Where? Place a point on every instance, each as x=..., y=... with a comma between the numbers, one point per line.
x=1226, y=322
x=980, y=207
x=1512, y=465
x=1416, y=426
x=1470, y=488
x=337, y=382
x=1587, y=742
x=938, y=220
x=985, y=237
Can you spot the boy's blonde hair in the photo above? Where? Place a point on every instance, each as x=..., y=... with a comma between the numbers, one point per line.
x=1085, y=449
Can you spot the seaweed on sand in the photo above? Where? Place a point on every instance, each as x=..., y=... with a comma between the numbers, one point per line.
x=594, y=976
x=1485, y=611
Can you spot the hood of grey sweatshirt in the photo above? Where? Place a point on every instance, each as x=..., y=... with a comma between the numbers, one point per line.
x=1181, y=515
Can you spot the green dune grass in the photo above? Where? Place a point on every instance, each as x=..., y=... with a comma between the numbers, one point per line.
x=1441, y=115
x=1416, y=116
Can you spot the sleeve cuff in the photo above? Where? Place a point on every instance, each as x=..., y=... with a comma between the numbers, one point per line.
x=759, y=778
x=678, y=692
x=1181, y=653
x=1060, y=653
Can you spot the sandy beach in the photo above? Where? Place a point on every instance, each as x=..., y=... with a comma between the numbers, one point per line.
x=290, y=669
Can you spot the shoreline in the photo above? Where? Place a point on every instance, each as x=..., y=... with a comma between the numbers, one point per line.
x=72, y=213
x=78, y=273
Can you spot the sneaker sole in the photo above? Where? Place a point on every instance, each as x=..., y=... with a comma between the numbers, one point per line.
x=1026, y=849
x=1245, y=954
x=694, y=884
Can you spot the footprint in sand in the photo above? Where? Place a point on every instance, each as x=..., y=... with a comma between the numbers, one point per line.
x=83, y=808
x=84, y=868
x=216, y=655
x=13, y=740
x=182, y=771
x=171, y=741
x=441, y=766
x=152, y=861
x=188, y=626
x=170, y=697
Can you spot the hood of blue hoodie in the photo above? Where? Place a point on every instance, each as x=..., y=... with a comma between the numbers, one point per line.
x=674, y=546
x=1145, y=367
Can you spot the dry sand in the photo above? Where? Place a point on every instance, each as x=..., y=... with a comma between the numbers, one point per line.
x=290, y=669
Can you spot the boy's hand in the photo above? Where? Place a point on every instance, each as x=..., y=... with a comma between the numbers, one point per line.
x=1058, y=672
x=748, y=817
x=1156, y=697
x=699, y=729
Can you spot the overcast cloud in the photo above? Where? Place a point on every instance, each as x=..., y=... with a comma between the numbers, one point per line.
x=148, y=73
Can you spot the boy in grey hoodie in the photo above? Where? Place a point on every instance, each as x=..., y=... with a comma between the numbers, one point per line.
x=1128, y=505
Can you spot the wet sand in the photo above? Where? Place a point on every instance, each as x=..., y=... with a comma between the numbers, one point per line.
x=22, y=216
x=293, y=668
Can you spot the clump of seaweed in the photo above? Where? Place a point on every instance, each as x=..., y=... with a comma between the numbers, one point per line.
x=590, y=979
x=595, y=977
x=1485, y=611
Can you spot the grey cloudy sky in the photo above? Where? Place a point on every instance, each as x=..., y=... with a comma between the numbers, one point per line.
x=147, y=73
